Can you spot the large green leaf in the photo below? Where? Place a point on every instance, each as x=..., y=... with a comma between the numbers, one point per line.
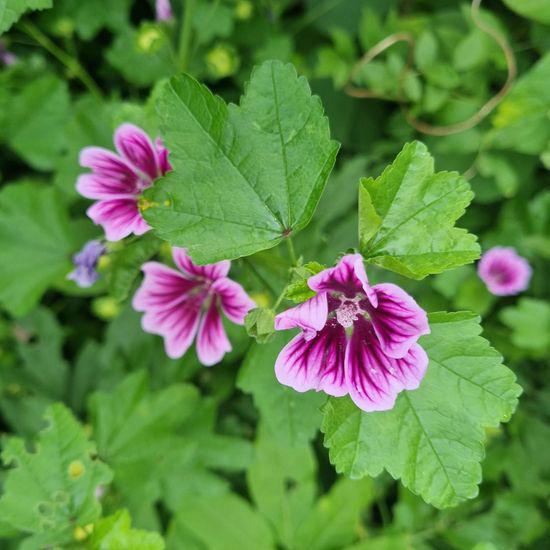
x=407, y=215
x=51, y=491
x=33, y=118
x=36, y=242
x=136, y=433
x=433, y=438
x=521, y=119
x=12, y=10
x=290, y=417
x=530, y=324
x=244, y=176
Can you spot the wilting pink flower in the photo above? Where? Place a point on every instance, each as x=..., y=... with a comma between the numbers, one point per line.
x=356, y=339
x=503, y=271
x=85, y=262
x=163, y=10
x=117, y=181
x=181, y=304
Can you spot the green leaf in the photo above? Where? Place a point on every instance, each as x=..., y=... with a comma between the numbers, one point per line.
x=224, y=522
x=538, y=10
x=290, y=417
x=407, y=215
x=282, y=483
x=260, y=324
x=127, y=263
x=433, y=438
x=12, y=10
x=49, y=492
x=40, y=376
x=530, y=324
x=136, y=433
x=336, y=518
x=147, y=48
x=91, y=16
x=521, y=119
x=116, y=533
x=244, y=177
x=36, y=242
x=33, y=116
x=298, y=290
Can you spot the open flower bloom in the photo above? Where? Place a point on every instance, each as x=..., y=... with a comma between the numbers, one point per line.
x=85, y=263
x=117, y=181
x=355, y=339
x=181, y=304
x=163, y=10
x=503, y=271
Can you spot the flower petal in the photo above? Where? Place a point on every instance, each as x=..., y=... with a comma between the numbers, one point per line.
x=310, y=316
x=162, y=287
x=348, y=277
x=178, y=324
x=374, y=379
x=212, y=342
x=113, y=174
x=162, y=152
x=235, y=302
x=315, y=363
x=398, y=320
x=118, y=217
x=137, y=148
x=208, y=271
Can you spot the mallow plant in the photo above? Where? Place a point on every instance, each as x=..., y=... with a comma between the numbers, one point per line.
x=400, y=388
x=220, y=328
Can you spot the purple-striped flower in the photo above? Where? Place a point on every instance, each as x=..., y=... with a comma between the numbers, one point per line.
x=356, y=339
x=85, y=262
x=504, y=271
x=117, y=181
x=181, y=304
x=163, y=10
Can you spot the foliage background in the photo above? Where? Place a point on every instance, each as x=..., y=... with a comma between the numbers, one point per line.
x=225, y=458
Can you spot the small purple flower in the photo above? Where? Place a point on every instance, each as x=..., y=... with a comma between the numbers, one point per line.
x=356, y=339
x=181, y=304
x=117, y=181
x=85, y=262
x=6, y=57
x=504, y=271
x=163, y=10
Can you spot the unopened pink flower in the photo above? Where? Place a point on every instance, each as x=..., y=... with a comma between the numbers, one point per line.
x=6, y=57
x=163, y=10
x=184, y=303
x=504, y=271
x=356, y=339
x=117, y=181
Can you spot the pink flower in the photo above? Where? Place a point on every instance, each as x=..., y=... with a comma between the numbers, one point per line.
x=356, y=339
x=163, y=10
x=181, y=304
x=503, y=271
x=117, y=181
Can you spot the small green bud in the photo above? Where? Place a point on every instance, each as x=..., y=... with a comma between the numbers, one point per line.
x=260, y=324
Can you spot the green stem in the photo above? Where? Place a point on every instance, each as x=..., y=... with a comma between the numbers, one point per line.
x=70, y=62
x=291, y=251
x=186, y=35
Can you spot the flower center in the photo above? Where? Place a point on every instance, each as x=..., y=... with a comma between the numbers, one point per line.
x=347, y=311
